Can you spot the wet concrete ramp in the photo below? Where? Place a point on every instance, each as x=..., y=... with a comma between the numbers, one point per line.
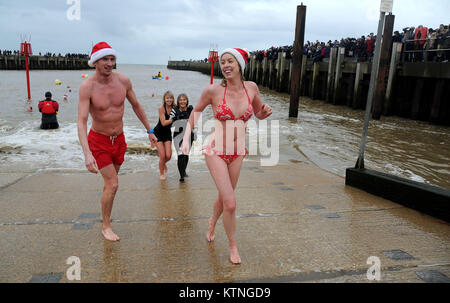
x=296, y=223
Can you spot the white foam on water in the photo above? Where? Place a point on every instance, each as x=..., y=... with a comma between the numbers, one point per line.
x=38, y=149
x=4, y=127
x=405, y=173
x=50, y=148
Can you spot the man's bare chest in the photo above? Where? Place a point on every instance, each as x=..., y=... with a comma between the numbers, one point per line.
x=108, y=96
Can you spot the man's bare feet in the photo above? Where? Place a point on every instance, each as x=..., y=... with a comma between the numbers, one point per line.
x=109, y=235
x=234, y=256
x=162, y=177
x=210, y=234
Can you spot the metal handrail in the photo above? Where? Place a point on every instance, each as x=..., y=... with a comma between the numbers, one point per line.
x=429, y=50
x=413, y=40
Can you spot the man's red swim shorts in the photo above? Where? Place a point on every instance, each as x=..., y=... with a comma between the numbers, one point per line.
x=107, y=149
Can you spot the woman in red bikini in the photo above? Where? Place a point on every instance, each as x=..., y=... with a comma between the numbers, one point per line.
x=233, y=102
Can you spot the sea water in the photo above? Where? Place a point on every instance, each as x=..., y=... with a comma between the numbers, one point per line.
x=323, y=134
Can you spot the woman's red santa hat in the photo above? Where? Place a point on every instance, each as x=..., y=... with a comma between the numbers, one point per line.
x=100, y=50
x=241, y=55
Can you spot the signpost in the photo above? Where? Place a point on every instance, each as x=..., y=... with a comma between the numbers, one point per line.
x=385, y=7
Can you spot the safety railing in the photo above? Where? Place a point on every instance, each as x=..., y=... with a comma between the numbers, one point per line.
x=414, y=51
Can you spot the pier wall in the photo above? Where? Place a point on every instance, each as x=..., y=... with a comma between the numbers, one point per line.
x=415, y=90
x=17, y=62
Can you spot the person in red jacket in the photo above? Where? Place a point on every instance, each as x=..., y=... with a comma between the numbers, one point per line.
x=370, y=45
x=420, y=36
x=49, y=109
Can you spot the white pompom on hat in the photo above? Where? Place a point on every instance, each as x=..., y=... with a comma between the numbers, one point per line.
x=241, y=55
x=100, y=50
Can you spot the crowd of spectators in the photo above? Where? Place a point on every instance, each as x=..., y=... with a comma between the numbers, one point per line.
x=415, y=41
x=47, y=54
x=435, y=41
x=9, y=52
x=272, y=53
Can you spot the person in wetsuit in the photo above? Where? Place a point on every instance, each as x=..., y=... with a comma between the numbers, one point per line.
x=180, y=116
x=49, y=109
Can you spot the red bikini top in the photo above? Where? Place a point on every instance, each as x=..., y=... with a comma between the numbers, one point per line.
x=223, y=112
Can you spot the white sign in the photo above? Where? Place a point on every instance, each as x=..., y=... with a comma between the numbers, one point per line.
x=386, y=6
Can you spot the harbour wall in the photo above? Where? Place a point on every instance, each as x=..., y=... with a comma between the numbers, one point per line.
x=415, y=90
x=17, y=62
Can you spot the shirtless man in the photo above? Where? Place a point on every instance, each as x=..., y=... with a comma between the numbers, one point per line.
x=103, y=96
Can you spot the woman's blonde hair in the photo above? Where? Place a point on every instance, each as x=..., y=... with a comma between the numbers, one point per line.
x=182, y=95
x=164, y=97
x=224, y=81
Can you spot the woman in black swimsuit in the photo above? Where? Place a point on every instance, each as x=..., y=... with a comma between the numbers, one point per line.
x=180, y=116
x=163, y=133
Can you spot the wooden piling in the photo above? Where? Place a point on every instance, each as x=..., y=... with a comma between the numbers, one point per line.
x=302, y=74
x=282, y=77
x=252, y=68
x=383, y=69
x=415, y=108
x=437, y=99
x=277, y=73
x=265, y=72
x=314, y=84
x=258, y=72
x=270, y=77
x=395, y=57
x=255, y=68
x=356, y=88
x=338, y=75
x=331, y=74
x=297, y=59
x=290, y=76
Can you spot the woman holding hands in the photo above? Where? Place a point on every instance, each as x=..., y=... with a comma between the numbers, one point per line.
x=163, y=133
x=233, y=101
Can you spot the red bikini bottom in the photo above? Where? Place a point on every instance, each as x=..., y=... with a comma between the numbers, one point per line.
x=227, y=158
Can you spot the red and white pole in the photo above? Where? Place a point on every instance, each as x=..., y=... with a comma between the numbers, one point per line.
x=25, y=49
x=213, y=57
x=212, y=71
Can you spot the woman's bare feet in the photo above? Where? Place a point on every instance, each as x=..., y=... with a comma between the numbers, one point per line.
x=162, y=177
x=109, y=235
x=234, y=256
x=210, y=234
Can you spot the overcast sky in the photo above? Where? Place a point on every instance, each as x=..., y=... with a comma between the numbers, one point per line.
x=149, y=32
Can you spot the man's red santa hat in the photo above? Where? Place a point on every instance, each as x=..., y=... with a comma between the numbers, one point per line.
x=100, y=50
x=241, y=55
